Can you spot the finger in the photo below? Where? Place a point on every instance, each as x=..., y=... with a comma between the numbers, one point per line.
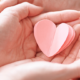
x=14, y=64
x=22, y=10
x=42, y=56
x=34, y=71
x=78, y=55
x=38, y=49
x=75, y=48
x=62, y=56
x=73, y=54
x=73, y=23
x=8, y=3
x=58, y=17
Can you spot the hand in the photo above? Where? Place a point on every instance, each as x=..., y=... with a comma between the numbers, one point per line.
x=48, y=5
x=28, y=70
x=16, y=31
x=15, y=15
x=59, y=58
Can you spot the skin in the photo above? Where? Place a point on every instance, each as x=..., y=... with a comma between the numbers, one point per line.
x=27, y=70
x=17, y=41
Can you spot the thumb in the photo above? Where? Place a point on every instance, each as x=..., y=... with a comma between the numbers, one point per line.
x=41, y=71
x=23, y=10
x=75, y=67
x=7, y=3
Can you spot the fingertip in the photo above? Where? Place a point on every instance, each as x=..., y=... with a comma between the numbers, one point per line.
x=34, y=10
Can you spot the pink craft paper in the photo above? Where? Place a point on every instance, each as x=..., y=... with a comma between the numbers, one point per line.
x=69, y=39
x=52, y=40
x=60, y=37
x=42, y=30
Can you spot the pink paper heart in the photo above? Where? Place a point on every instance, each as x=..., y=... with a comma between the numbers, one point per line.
x=52, y=40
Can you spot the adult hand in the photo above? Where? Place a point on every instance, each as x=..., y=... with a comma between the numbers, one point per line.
x=59, y=58
x=13, y=44
x=16, y=31
x=28, y=70
x=48, y=5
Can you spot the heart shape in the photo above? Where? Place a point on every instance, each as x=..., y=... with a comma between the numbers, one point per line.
x=52, y=40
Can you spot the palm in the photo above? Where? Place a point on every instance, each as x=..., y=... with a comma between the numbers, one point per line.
x=18, y=42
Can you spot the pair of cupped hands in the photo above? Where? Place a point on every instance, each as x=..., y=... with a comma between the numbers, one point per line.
x=20, y=56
